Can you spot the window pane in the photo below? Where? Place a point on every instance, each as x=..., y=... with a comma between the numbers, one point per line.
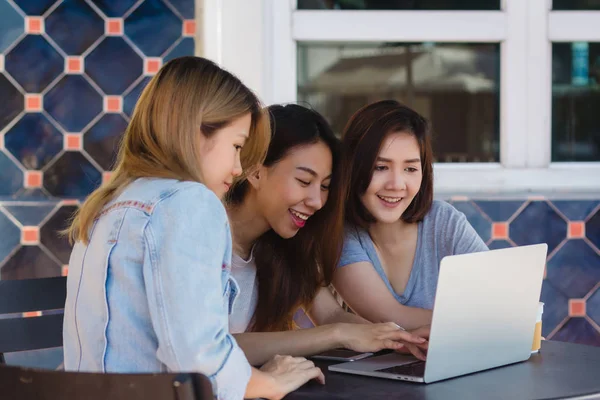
x=398, y=4
x=576, y=101
x=576, y=4
x=455, y=86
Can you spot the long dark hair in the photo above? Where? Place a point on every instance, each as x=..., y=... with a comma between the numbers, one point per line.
x=291, y=271
x=362, y=140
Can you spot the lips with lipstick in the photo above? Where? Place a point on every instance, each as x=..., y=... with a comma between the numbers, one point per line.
x=390, y=201
x=298, y=218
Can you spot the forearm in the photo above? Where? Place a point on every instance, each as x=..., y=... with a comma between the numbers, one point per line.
x=259, y=347
x=407, y=317
x=342, y=316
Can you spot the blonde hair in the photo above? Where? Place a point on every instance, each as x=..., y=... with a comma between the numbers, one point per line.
x=188, y=97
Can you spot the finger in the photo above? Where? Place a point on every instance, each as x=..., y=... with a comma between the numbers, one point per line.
x=404, y=337
x=297, y=360
x=306, y=364
x=392, y=344
x=317, y=374
x=416, y=352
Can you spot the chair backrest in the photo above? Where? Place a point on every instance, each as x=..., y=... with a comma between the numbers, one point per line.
x=29, y=384
x=20, y=296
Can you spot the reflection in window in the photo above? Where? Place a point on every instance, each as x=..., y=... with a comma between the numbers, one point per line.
x=398, y=4
x=576, y=101
x=576, y=4
x=455, y=86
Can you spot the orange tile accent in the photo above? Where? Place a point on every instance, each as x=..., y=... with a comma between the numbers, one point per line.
x=34, y=25
x=33, y=179
x=74, y=65
x=72, y=142
x=31, y=314
x=499, y=230
x=114, y=26
x=106, y=176
x=33, y=102
x=65, y=270
x=577, y=308
x=576, y=230
x=189, y=27
x=30, y=235
x=69, y=202
x=152, y=65
x=113, y=104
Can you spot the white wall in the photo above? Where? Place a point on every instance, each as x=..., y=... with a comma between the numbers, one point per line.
x=232, y=33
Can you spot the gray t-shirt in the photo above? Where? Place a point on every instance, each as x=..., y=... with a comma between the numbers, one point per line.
x=444, y=231
x=244, y=272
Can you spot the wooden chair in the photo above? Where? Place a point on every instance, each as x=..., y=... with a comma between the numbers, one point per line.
x=19, y=296
x=33, y=384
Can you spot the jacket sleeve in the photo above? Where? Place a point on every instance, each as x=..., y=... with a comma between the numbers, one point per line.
x=184, y=267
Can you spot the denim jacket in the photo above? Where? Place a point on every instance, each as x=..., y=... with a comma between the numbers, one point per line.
x=152, y=291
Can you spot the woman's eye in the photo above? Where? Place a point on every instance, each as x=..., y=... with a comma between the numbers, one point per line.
x=238, y=147
x=380, y=167
x=325, y=188
x=411, y=169
x=303, y=183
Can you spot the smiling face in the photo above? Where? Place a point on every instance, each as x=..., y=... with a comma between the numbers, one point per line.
x=396, y=178
x=290, y=191
x=220, y=155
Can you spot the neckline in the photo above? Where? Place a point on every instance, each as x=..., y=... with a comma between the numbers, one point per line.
x=410, y=284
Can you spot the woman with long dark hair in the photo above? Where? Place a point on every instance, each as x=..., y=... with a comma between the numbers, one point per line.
x=287, y=222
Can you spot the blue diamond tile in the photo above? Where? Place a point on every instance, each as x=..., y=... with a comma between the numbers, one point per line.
x=134, y=94
x=30, y=214
x=538, y=223
x=574, y=269
x=12, y=102
x=576, y=210
x=74, y=26
x=11, y=25
x=499, y=244
x=184, y=48
x=30, y=262
x=556, y=307
x=72, y=176
x=35, y=7
x=114, y=74
x=481, y=224
x=11, y=236
x=578, y=330
x=49, y=236
x=73, y=103
x=184, y=7
x=113, y=8
x=498, y=210
x=11, y=178
x=592, y=229
x=142, y=25
x=34, y=141
x=34, y=63
x=593, y=307
x=102, y=140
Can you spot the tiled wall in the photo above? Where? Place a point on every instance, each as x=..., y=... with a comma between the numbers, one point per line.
x=70, y=73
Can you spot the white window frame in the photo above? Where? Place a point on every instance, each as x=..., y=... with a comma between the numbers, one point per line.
x=525, y=30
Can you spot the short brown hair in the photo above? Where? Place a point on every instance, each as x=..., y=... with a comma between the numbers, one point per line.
x=361, y=142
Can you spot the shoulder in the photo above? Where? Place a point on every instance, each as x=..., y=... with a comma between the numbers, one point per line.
x=355, y=234
x=187, y=202
x=442, y=211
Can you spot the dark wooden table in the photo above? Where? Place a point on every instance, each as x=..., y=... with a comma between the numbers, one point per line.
x=560, y=370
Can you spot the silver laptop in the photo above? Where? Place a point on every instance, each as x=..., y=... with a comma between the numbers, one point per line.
x=484, y=317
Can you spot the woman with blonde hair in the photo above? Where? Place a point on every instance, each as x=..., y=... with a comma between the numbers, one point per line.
x=149, y=287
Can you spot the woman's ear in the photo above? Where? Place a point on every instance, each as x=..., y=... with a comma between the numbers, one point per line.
x=254, y=176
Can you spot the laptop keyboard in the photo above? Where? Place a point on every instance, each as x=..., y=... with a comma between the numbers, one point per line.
x=416, y=368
